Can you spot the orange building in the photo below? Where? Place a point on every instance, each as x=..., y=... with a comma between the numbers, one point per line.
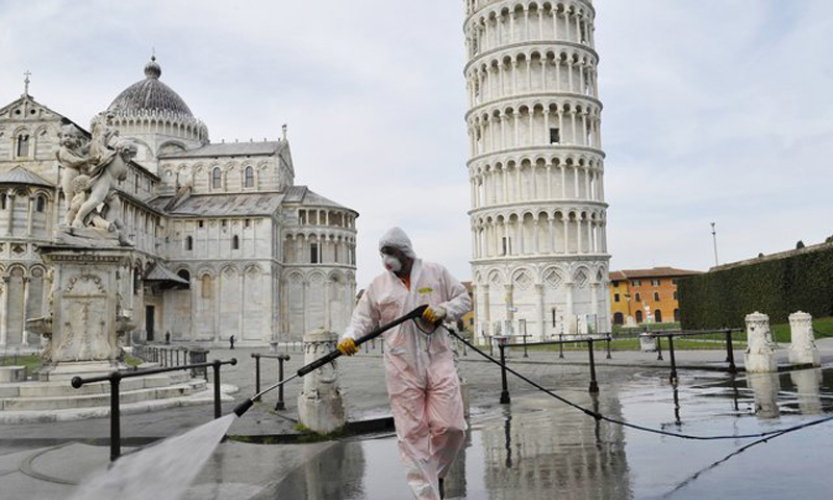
x=645, y=295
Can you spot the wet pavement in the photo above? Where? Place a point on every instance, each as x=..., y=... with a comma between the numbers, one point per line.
x=536, y=447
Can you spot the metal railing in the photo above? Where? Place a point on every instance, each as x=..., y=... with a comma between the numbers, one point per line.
x=281, y=359
x=730, y=351
x=115, y=379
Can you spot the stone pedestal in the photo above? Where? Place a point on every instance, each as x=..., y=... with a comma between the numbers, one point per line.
x=88, y=310
x=760, y=351
x=803, y=348
x=320, y=406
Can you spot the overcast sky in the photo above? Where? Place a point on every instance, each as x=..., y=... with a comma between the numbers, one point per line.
x=714, y=110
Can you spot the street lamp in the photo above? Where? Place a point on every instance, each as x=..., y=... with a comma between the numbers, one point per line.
x=714, y=238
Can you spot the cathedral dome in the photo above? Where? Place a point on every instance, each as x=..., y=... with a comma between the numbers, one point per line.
x=150, y=95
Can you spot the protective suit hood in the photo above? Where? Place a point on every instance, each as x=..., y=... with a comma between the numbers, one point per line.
x=396, y=238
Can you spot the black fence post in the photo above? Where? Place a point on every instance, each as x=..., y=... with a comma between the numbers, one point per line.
x=115, y=417
x=673, y=377
x=730, y=352
x=218, y=411
x=659, y=348
x=257, y=374
x=504, y=394
x=526, y=354
x=594, y=385
x=280, y=404
x=560, y=346
x=608, y=348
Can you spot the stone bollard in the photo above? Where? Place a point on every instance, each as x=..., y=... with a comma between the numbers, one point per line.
x=808, y=385
x=320, y=407
x=760, y=352
x=803, y=350
x=647, y=342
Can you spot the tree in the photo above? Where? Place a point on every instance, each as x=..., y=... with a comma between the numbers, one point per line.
x=799, y=245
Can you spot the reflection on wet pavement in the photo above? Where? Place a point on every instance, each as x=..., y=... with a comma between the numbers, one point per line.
x=537, y=448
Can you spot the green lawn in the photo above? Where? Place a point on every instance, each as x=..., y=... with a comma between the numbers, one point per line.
x=823, y=328
x=31, y=362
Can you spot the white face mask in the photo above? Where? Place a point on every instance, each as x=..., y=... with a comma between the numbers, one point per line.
x=391, y=263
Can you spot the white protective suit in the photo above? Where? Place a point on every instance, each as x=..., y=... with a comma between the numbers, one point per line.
x=422, y=382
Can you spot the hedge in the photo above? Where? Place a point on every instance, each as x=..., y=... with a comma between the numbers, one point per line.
x=778, y=288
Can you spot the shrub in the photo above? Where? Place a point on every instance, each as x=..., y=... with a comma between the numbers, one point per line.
x=777, y=287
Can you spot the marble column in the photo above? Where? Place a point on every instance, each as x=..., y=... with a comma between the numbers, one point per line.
x=26, y=294
x=4, y=308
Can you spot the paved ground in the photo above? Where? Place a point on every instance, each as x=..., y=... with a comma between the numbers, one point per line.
x=46, y=460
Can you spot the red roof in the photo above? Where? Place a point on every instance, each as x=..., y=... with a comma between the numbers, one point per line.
x=657, y=272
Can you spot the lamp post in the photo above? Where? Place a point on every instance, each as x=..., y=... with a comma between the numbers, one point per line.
x=714, y=239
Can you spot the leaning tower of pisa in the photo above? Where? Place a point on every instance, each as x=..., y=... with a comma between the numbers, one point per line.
x=536, y=167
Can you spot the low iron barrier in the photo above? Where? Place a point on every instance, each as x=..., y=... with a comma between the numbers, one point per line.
x=115, y=379
x=281, y=359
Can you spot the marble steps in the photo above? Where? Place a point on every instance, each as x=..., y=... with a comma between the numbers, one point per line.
x=102, y=398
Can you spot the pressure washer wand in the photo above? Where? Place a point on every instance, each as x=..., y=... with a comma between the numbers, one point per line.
x=329, y=358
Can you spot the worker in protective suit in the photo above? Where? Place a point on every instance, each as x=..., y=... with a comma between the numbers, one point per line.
x=422, y=382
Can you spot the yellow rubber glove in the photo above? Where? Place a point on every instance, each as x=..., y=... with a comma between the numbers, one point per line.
x=434, y=314
x=347, y=347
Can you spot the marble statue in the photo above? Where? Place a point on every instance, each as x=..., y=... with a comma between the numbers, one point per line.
x=91, y=173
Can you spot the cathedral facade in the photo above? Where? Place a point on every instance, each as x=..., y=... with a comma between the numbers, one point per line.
x=229, y=244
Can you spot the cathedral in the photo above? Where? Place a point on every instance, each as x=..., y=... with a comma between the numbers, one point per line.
x=229, y=245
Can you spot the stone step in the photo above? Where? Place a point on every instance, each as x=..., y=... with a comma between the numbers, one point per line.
x=37, y=390
x=100, y=399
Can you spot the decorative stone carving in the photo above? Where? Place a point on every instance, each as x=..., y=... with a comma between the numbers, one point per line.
x=760, y=351
x=92, y=171
x=320, y=406
x=803, y=348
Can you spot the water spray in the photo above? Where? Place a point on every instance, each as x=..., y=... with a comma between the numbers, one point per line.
x=329, y=358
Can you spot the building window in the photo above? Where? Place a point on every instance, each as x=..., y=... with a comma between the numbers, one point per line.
x=235, y=242
x=675, y=281
x=189, y=243
x=216, y=178
x=616, y=298
x=22, y=145
x=618, y=319
x=224, y=222
x=636, y=282
x=206, y=286
x=247, y=223
x=40, y=204
x=639, y=316
x=553, y=316
x=658, y=316
x=555, y=136
x=505, y=247
x=137, y=280
x=135, y=183
x=654, y=282
x=184, y=274
x=3, y=201
x=615, y=284
x=335, y=253
x=249, y=177
x=656, y=296
x=201, y=224
x=313, y=253
x=638, y=297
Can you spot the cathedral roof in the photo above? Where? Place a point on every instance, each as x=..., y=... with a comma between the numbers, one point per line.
x=20, y=175
x=263, y=148
x=304, y=196
x=150, y=95
x=223, y=205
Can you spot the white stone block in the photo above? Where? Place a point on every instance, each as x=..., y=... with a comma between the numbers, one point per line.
x=760, y=351
x=647, y=343
x=803, y=348
x=9, y=374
